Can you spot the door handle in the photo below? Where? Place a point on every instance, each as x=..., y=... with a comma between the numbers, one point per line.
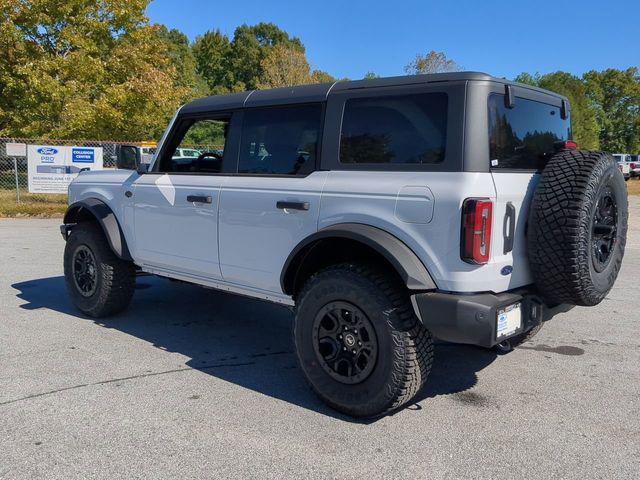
x=283, y=205
x=199, y=199
x=509, y=227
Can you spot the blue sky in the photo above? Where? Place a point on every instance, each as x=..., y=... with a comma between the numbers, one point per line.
x=350, y=37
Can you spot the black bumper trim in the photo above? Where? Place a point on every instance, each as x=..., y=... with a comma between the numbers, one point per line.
x=471, y=318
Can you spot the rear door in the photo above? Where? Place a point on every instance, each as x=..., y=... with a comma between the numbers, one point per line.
x=272, y=203
x=521, y=141
x=176, y=205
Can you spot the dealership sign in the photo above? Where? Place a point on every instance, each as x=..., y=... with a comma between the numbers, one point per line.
x=52, y=168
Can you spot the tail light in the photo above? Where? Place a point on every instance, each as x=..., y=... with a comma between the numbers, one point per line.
x=476, y=230
x=565, y=145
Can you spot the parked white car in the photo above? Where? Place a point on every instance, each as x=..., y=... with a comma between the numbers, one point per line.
x=623, y=164
x=385, y=212
x=630, y=164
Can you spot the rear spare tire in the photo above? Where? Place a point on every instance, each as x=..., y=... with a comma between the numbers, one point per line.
x=577, y=227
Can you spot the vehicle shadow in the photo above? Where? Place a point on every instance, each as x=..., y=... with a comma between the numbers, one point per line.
x=240, y=340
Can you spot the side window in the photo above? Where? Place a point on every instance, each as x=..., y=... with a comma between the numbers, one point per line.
x=280, y=140
x=523, y=137
x=410, y=129
x=201, y=148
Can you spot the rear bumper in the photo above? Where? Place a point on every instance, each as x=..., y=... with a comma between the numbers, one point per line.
x=472, y=318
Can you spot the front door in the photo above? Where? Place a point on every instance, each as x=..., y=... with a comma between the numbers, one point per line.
x=273, y=202
x=176, y=224
x=176, y=204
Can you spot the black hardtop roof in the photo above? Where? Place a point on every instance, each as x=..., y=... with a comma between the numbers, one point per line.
x=319, y=92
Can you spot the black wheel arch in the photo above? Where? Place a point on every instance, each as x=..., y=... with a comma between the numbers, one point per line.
x=94, y=209
x=396, y=253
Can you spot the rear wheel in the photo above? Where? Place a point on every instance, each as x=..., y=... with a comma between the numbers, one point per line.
x=358, y=341
x=99, y=283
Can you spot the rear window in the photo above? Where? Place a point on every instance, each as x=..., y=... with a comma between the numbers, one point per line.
x=407, y=129
x=523, y=137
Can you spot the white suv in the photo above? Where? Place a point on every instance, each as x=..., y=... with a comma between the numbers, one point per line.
x=385, y=211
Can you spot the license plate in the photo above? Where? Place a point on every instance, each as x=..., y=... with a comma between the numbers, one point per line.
x=509, y=320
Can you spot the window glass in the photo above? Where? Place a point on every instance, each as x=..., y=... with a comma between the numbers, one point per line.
x=409, y=129
x=523, y=137
x=201, y=148
x=280, y=140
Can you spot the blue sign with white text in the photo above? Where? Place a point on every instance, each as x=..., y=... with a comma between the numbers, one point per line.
x=82, y=155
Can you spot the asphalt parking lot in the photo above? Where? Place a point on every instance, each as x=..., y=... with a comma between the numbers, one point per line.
x=192, y=383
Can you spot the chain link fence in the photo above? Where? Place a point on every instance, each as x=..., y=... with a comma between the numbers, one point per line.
x=15, y=198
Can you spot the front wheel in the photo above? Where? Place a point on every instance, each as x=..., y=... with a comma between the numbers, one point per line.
x=358, y=340
x=99, y=283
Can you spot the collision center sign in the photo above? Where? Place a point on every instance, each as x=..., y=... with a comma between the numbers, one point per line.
x=52, y=168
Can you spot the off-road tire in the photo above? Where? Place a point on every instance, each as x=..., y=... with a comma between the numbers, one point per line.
x=560, y=228
x=115, y=283
x=405, y=352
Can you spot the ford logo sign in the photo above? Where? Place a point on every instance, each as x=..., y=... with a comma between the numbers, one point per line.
x=47, y=151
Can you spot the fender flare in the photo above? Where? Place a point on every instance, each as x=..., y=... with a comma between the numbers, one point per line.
x=412, y=271
x=105, y=218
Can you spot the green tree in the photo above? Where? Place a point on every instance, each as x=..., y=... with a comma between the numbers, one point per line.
x=284, y=66
x=616, y=94
x=249, y=48
x=181, y=56
x=528, y=79
x=212, y=52
x=319, y=76
x=370, y=75
x=236, y=65
x=84, y=70
x=432, y=62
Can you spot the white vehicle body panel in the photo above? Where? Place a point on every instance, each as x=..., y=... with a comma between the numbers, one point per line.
x=108, y=186
x=172, y=233
x=516, y=189
x=256, y=237
x=348, y=197
x=241, y=240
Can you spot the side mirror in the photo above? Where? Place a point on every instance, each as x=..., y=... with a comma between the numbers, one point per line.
x=142, y=168
x=127, y=157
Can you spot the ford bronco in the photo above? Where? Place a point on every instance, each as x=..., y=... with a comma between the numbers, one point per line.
x=386, y=212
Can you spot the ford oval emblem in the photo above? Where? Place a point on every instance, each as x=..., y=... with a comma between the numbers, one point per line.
x=506, y=270
x=47, y=151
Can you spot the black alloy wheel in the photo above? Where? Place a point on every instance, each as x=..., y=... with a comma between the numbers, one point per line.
x=345, y=342
x=603, y=233
x=85, y=272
